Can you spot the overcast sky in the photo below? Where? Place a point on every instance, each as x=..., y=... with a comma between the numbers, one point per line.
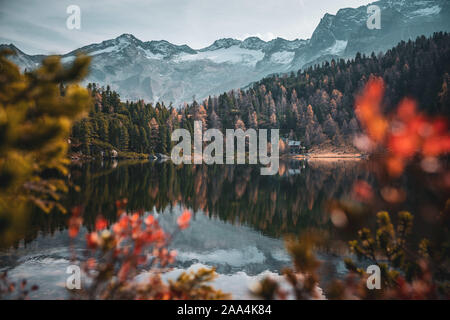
x=39, y=26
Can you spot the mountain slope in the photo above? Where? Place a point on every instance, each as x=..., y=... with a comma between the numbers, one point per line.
x=161, y=71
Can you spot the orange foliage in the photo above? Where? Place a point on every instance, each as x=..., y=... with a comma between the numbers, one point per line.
x=183, y=220
x=118, y=253
x=101, y=223
x=75, y=222
x=369, y=112
x=405, y=134
x=362, y=190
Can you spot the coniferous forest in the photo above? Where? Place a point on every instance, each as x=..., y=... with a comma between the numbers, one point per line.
x=313, y=105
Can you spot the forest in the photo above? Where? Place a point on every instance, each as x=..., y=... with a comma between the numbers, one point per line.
x=313, y=105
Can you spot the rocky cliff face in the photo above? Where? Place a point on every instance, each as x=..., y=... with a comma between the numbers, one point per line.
x=346, y=33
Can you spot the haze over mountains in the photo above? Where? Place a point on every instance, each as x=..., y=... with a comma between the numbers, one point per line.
x=161, y=71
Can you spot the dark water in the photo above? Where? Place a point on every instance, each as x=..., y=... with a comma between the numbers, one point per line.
x=240, y=217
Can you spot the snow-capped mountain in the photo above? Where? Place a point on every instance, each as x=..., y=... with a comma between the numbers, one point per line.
x=344, y=34
x=161, y=71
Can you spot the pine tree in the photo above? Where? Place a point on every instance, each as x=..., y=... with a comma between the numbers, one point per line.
x=124, y=138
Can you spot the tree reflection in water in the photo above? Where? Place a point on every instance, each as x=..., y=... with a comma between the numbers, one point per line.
x=289, y=202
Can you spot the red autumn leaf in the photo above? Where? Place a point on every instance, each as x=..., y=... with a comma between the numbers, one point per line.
x=362, y=190
x=183, y=220
x=435, y=146
x=92, y=240
x=74, y=225
x=100, y=223
x=149, y=220
x=395, y=166
x=91, y=263
x=404, y=145
x=440, y=126
x=73, y=231
x=134, y=218
x=368, y=109
x=406, y=110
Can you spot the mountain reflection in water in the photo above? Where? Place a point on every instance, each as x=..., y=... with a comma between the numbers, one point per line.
x=239, y=219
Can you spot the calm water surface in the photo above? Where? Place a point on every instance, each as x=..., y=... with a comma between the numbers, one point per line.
x=240, y=218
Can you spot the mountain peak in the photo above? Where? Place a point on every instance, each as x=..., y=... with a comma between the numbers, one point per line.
x=127, y=36
x=126, y=39
x=166, y=48
x=253, y=43
x=9, y=46
x=223, y=43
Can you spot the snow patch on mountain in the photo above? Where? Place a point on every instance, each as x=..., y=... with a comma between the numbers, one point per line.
x=152, y=56
x=426, y=11
x=338, y=47
x=283, y=57
x=120, y=44
x=233, y=54
x=106, y=50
